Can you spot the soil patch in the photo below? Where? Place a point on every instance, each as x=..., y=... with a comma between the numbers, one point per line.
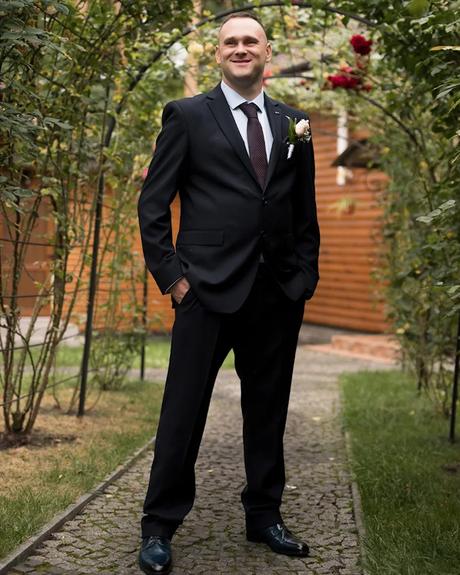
x=37, y=439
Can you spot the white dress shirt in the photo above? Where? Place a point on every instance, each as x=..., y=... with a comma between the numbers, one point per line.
x=234, y=100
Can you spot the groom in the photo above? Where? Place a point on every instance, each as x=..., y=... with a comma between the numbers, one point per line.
x=244, y=262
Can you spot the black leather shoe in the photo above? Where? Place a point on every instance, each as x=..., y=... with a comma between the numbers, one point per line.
x=155, y=555
x=280, y=540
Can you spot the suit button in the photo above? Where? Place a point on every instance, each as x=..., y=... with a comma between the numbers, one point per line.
x=265, y=202
x=262, y=232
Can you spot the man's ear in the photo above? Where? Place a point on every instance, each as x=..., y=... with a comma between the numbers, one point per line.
x=268, y=52
x=217, y=54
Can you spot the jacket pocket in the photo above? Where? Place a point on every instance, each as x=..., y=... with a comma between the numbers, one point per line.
x=200, y=237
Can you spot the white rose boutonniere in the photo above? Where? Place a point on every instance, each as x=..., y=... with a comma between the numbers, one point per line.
x=297, y=132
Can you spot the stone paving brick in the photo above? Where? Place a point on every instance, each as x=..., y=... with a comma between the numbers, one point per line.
x=105, y=536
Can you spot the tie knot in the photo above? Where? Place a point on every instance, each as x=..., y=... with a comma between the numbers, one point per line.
x=250, y=109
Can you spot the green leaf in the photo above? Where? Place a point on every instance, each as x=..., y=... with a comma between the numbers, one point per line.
x=54, y=121
x=9, y=195
x=63, y=8
x=23, y=192
x=447, y=205
x=437, y=48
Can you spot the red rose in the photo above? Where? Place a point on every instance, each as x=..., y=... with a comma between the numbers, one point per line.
x=347, y=81
x=360, y=44
x=338, y=81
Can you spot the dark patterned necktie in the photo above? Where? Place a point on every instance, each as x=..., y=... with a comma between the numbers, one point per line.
x=256, y=141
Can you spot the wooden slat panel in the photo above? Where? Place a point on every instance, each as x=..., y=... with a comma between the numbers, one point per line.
x=358, y=323
x=357, y=302
x=345, y=313
x=37, y=260
x=350, y=243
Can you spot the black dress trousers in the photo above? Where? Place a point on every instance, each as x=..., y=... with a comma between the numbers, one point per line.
x=263, y=333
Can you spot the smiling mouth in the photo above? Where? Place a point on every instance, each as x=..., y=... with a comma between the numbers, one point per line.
x=241, y=61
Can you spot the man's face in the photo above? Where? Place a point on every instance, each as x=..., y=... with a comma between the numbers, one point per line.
x=243, y=51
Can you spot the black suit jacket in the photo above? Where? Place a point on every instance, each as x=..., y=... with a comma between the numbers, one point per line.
x=226, y=217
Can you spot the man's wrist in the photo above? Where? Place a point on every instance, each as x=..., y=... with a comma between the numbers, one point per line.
x=168, y=289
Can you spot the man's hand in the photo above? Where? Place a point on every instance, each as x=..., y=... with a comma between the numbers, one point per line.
x=179, y=289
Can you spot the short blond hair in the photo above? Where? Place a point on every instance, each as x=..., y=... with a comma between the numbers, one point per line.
x=242, y=15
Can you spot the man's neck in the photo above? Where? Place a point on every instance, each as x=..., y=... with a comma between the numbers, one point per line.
x=248, y=92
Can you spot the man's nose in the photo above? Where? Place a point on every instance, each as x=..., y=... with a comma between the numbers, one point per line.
x=241, y=48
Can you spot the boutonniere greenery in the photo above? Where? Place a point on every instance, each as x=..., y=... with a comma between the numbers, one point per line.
x=297, y=132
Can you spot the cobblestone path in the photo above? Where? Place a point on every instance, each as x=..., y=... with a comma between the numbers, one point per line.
x=317, y=505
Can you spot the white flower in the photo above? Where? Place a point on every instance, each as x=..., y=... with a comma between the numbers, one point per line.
x=297, y=132
x=195, y=48
x=302, y=128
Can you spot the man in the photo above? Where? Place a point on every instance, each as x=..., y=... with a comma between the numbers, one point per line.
x=245, y=261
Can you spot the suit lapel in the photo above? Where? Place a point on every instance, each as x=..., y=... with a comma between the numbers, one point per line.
x=221, y=111
x=274, y=118
x=224, y=117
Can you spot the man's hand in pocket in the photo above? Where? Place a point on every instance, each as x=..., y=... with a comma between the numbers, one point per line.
x=179, y=289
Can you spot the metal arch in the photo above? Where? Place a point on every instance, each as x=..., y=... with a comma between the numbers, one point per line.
x=249, y=7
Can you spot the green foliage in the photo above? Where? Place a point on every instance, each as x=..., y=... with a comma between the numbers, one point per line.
x=422, y=264
x=66, y=72
x=111, y=358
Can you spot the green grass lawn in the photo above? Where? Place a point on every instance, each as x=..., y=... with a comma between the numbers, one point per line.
x=405, y=469
x=156, y=354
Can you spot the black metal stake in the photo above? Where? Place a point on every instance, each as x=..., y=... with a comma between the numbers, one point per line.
x=109, y=123
x=91, y=297
x=453, y=411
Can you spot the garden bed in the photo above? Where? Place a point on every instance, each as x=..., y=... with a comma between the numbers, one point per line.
x=68, y=456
